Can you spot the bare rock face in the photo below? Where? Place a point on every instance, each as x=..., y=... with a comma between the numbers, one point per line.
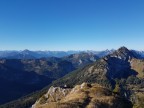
x=81, y=96
x=56, y=93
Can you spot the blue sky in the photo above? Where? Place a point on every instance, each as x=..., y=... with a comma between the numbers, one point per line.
x=71, y=24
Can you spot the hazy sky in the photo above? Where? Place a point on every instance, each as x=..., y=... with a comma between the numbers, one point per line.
x=71, y=24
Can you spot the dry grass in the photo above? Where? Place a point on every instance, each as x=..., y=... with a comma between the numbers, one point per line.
x=138, y=66
x=140, y=100
x=85, y=95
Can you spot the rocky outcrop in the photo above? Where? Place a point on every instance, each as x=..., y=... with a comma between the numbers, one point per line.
x=81, y=96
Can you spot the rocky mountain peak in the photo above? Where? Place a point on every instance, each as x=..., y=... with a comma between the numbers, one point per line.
x=123, y=49
x=26, y=51
x=123, y=53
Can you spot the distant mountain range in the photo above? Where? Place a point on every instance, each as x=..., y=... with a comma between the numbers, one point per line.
x=27, y=54
x=120, y=71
